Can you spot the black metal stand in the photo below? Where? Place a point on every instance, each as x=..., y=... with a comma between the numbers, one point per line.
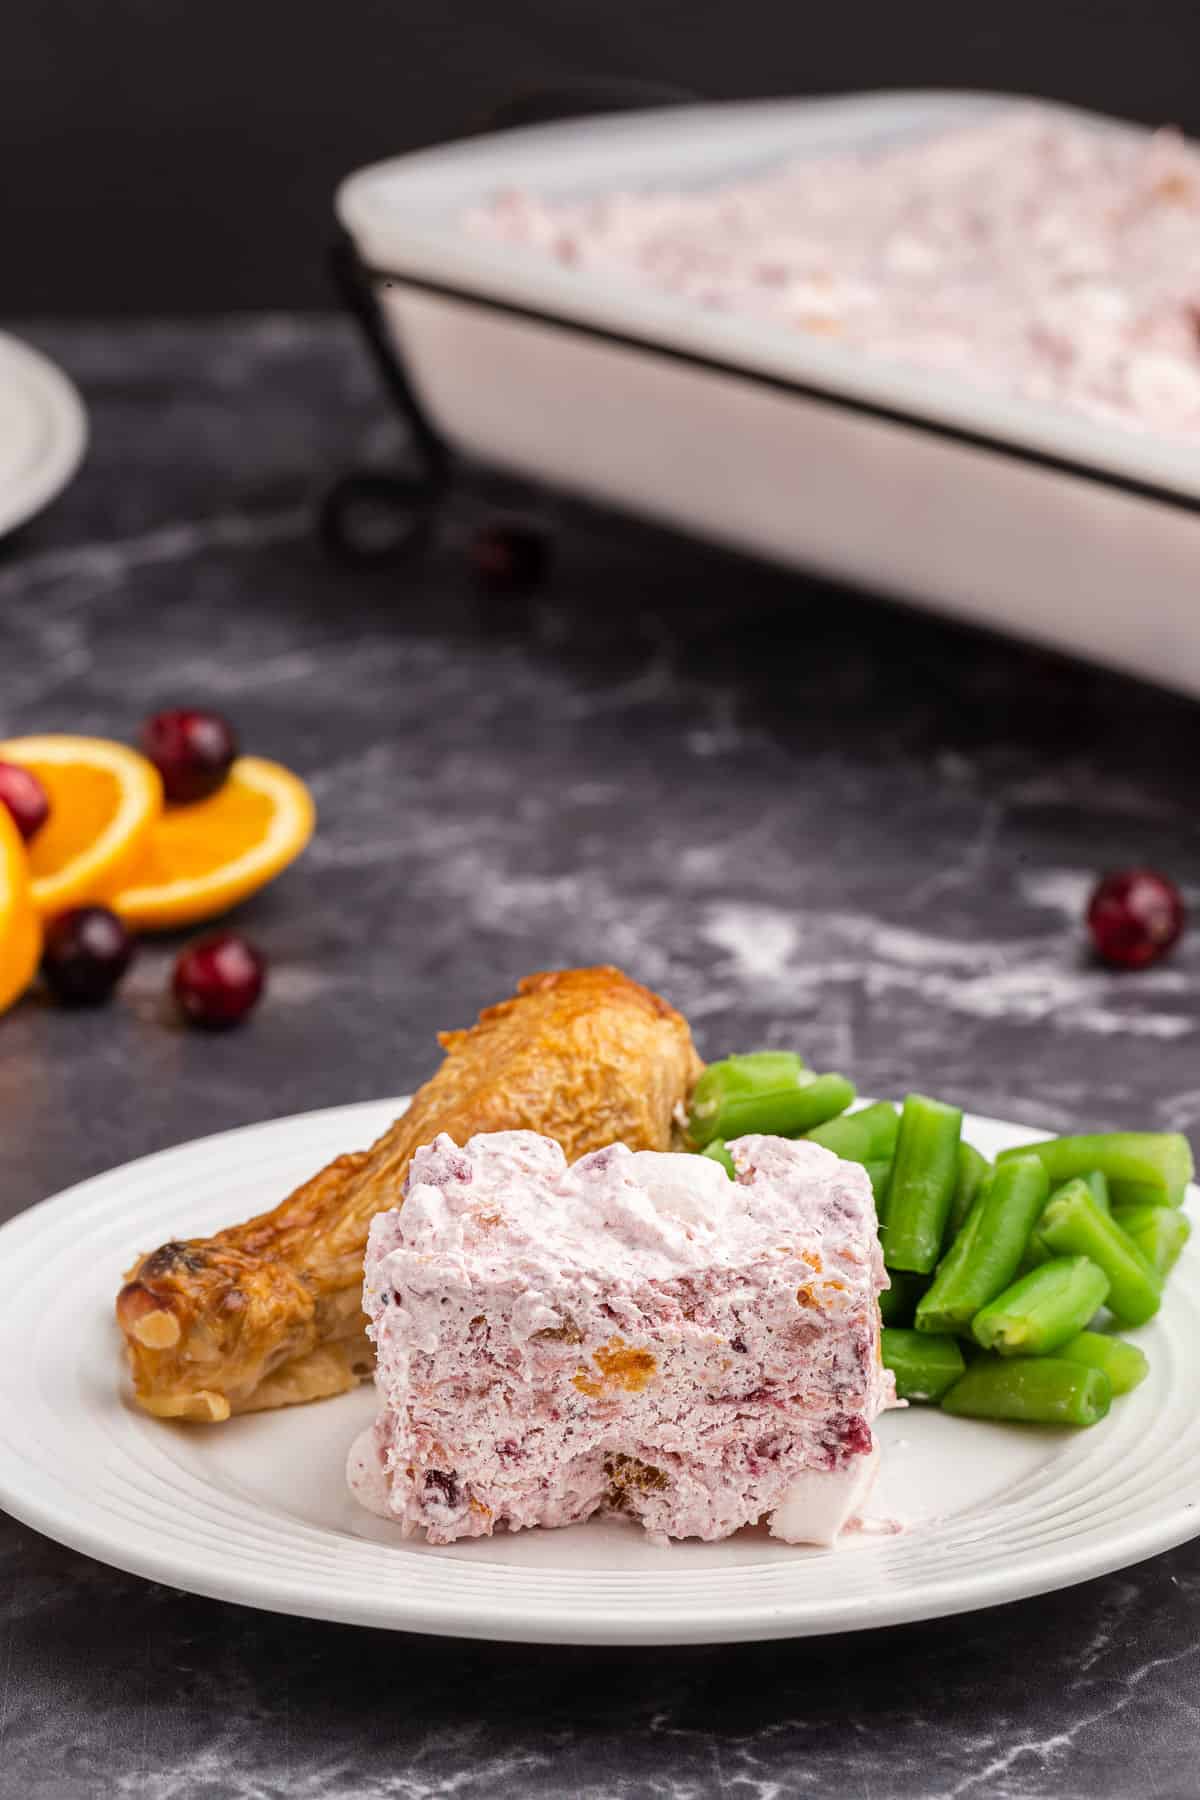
x=371, y=517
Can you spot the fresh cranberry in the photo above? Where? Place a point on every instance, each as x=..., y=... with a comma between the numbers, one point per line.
x=85, y=953
x=218, y=979
x=25, y=798
x=192, y=751
x=1134, y=916
x=509, y=556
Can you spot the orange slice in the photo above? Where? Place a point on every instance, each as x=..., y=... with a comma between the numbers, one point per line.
x=104, y=799
x=200, y=860
x=20, y=927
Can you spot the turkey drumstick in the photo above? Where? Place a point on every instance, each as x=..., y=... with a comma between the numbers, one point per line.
x=269, y=1313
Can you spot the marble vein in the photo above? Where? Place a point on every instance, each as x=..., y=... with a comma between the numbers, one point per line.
x=1045, y=1750
x=995, y=980
x=87, y=568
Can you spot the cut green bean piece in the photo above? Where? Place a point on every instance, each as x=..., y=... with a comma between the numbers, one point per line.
x=1159, y=1161
x=924, y=1366
x=868, y=1135
x=758, y=1072
x=770, y=1092
x=974, y=1170
x=1073, y=1225
x=898, y=1303
x=924, y=1173
x=1037, y=1250
x=1145, y=1193
x=718, y=1152
x=1124, y=1364
x=1043, y=1309
x=881, y=1179
x=1158, y=1231
x=883, y=1121
x=1030, y=1390
x=1035, y=1255
x=844, y=1136
x=1098, y=1183
x=986, y=1254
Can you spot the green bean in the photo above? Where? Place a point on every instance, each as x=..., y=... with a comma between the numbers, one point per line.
x=924, y=1366
x=1033, y=1390
x=1159, y=1161
x=1043, y=1309
x=924, y=1172
x=1098, y=1183
x=1158, y=1231
x=757, y=1072
x=1073, y=1225
x=1035, y=1255
x=986, y=1254
x=868, y=1135
x=1124, y=1364
x=1145, y=1193
x=973, y=1170
x=770, y=1092
x=1038, y=1251
x=718, y=1152
x=844, y=1136
x=881, y=1178
x=883, y=1122
x=898, y=1302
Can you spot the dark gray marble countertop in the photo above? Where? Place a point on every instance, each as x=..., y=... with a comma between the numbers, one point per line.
x=806, y=817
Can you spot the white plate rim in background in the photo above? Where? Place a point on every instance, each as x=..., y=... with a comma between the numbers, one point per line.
x=43, y=431
x=256, y=1511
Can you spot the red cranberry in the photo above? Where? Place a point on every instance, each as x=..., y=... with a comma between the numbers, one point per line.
x=510, y=556
x=218, y=979
x=1134, y=916
x=192, y=751
x=85, y=954
x=25, y=798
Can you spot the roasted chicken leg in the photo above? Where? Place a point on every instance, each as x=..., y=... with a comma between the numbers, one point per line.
x=269, y=1313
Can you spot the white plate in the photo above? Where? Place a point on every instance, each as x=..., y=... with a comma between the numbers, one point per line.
x=43, y=431
x=257, y=1511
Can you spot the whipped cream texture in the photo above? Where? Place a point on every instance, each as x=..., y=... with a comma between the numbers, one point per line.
x=635, y=1334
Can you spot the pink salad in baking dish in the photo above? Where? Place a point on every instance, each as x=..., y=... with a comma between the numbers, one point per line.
x=1053, y=258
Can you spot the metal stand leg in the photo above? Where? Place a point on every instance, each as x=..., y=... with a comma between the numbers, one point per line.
x=370, y=517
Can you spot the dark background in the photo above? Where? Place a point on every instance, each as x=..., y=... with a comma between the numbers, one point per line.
x=179, y=155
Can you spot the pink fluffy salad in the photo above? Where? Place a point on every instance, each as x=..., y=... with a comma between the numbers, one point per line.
x=1053, y=258
x=634, y=1334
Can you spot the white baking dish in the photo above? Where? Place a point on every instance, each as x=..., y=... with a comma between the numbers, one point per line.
x=978, y=504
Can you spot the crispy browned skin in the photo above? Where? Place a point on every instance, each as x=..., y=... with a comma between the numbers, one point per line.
x=268, y=1313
